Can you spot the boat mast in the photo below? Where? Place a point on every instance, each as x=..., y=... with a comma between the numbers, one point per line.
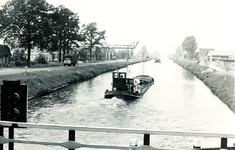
x=143, y=63
x=127, y=59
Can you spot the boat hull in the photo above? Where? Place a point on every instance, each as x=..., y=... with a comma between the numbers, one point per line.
x=122, y=95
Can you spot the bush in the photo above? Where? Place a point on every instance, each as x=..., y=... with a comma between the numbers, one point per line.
x=33, y=62
x=20, y=63
x=19, y=57
x=41, y=59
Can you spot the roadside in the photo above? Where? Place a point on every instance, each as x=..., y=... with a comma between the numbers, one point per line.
x=52, y=66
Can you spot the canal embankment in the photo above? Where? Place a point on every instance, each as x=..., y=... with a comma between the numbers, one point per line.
x=43, y=82
x=221, y=83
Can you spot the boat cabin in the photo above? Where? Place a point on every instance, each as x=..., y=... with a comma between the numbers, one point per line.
x=120, y=81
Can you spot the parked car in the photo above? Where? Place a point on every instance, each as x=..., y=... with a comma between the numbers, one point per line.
x=67, y=61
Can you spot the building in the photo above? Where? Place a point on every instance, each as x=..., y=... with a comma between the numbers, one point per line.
x=35, y=53
x=98, y=53
x=213, y=56
x=5, y=55
x=110, y=53
x=221, y=59
x=203, y=52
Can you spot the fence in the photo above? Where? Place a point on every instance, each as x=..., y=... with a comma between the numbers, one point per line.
x=71, y=144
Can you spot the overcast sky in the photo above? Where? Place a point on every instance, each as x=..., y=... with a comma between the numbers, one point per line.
x=159, y=24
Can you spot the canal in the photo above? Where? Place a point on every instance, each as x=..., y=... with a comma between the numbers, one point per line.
x=177, y=101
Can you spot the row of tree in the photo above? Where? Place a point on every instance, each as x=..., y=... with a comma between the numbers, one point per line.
x=36, y=23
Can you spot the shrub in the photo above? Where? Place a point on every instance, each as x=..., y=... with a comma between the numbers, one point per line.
x=41, y=59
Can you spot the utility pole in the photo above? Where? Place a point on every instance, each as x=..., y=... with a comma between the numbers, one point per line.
x=127, y=55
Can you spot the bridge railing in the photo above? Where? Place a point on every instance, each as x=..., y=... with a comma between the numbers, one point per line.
x=71, y=144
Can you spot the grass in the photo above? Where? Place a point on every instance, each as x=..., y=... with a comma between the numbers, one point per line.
x=220, y=83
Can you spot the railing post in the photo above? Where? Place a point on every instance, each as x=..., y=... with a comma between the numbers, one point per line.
x=223, y=142
x=1, y=134
x=11, y=136
x=146, y=139
x=71, y=136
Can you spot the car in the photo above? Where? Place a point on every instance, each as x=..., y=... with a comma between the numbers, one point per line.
x=157, y=60
x=67, y=61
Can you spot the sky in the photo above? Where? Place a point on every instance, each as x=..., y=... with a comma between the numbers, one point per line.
x=160, y=25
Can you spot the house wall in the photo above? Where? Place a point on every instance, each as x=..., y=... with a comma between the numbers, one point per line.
x=5, y=61
x=35, y=54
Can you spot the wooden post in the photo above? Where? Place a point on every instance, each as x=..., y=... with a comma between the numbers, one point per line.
x=223, y=142
x=146, y=139
x=1, y=134
x=71, y=136
x=11, y=136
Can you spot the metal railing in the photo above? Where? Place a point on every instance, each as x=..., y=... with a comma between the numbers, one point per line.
x=71, y=144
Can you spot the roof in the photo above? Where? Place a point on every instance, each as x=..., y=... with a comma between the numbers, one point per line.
x=221, y=53
x=229, y=54
x=204, y=51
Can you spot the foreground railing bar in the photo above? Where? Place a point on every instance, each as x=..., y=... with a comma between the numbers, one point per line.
x=69, y=144
x=116, y=130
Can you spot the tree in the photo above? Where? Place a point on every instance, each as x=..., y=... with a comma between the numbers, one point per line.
x=143, y=52
x=190, y=45
x=178, y=51
x=25, y=23
x=92, y=36
x=65, y=26
x=19, y=55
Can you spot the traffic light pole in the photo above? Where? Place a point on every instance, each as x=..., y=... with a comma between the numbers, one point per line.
x=11, y=136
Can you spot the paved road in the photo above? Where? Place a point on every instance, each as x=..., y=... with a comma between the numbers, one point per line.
x=12, y=70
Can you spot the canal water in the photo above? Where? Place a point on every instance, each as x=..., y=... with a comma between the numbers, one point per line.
x=177, y=101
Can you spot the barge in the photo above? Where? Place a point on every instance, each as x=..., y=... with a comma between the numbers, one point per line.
x=128, y=88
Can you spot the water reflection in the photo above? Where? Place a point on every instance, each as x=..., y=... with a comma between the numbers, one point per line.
x=187, y=75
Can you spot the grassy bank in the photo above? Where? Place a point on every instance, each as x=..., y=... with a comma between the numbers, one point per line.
x=220, y=83
x=43, y=82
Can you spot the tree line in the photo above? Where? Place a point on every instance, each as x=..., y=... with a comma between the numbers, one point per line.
x=36, y=23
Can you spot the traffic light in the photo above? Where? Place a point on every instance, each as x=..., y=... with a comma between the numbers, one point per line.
x=14, y=101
